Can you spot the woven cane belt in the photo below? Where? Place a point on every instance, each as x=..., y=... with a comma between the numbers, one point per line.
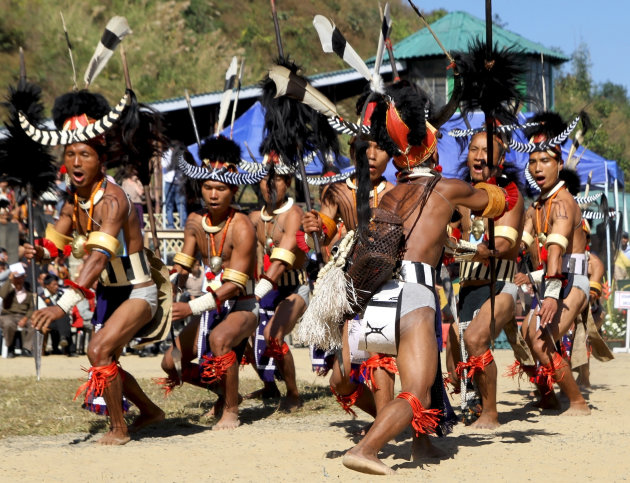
x=575, y=263
x=292, y=278
x=505, y=270
x=126, y=270
x=417, y=272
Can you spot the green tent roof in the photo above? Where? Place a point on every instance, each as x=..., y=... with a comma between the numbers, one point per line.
x=455, y=30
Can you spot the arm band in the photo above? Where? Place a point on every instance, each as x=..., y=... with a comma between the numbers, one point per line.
x=236, y=277
x=537, y=276
x=284, y=255
x=208, y=301
x=556, y=238
x=69, y=299
x=184, y=260
x=527, y=239
x=506, y=232
x=496, y=200
x=553, y=287
x=263, y=287
x=99, y=239
x=596, y=287
x=60, y=240
x=328, y=225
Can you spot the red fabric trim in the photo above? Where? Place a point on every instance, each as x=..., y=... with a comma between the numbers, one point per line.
x=98, y=379
x=87, y=293
x=474, y=364
x=547, y=373
x=167, y=384
x=213, y=368
x=301, y=242
x=275, y=350
x=48, y=245
x=380, y=360
x=424, y=421
x=350, y=400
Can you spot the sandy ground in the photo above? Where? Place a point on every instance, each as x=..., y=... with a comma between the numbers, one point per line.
x=529, y=446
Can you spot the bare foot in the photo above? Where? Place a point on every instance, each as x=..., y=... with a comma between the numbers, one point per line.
x=147, y=419
x=487, y=420
x=290, y=404
x=578, y=409
x=216, y=411
x=366, y=464
x=115, y=437
x=422, y=448
x=229, y=420
x=267, y=392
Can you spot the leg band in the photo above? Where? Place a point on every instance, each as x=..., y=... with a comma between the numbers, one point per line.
x=424, y=420
x=276, y=350
x=547, y=374
x=474, y=364
x=380, y=360
x=98, y=379
x=213, y=368
x=350, y=400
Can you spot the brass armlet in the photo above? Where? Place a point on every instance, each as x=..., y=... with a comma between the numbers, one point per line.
x=184, y=260
x=60, y=240
x=330, y=224
x=284, y=255
x=99, y=239
x=236, y=277
x=496, y=200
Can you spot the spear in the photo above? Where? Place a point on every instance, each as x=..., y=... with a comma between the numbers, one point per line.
x=490, y=159
x=192, y=118
x=238, y=91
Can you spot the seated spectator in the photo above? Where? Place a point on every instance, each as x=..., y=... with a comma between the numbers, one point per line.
x=60, y=332
x=17, y=307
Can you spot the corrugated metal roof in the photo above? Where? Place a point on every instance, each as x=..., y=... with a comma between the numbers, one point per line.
x=249, y=92
x=455, y=30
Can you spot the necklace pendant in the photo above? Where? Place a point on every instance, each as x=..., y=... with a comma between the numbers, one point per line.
x=78, y=245
x=216, y=264
x=542, y=238
x=268, y=244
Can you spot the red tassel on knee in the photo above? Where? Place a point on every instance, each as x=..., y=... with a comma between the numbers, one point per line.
x=350, y=400
x=167, y=384
x=380, y=360
x=99, y=378
x=276, y=350
x=424, y=421
x=474, y=364
x=547, y=373
x=213, y=368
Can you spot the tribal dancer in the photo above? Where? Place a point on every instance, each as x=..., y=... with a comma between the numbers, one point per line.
x=102, y=227
x=283, y=287
x=474, y=296
x=424, y=202
x=338, y=203
x=553, y=232
x=226, y=241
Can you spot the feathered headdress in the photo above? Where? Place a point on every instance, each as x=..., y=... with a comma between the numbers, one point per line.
x=23, y=161
x=291, y=127
x=548, y=135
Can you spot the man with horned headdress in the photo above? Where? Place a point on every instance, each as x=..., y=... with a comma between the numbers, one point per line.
x=339, y=203
x=423, y=202
x=226, y=241
x=283, y=288
x=474, y=295
x=554, y=235
x=99, y=223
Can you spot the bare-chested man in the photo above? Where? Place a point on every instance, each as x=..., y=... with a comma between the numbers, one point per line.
x=553, y=231
x=425, y=202
x=99, y=221
x=226, y=241
x=474, y=296
x=338, y=202
x=283, y=288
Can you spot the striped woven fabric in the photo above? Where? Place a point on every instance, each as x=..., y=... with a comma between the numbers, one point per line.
x=479, y=271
